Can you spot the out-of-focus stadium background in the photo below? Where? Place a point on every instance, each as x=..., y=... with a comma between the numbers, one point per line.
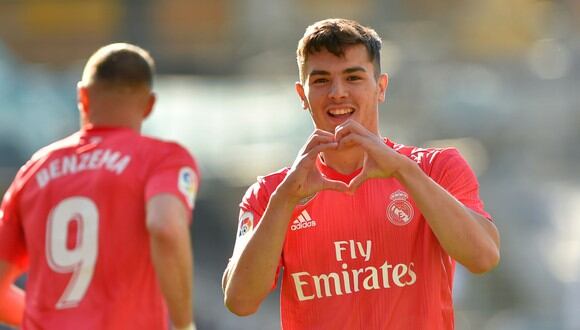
x=498, y=79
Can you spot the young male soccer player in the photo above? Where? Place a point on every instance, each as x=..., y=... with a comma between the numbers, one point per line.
x=367, y=230
x=100, y=218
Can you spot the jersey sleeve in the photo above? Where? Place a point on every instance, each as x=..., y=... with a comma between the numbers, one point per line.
x=176, y=173
x=450, y=170
x=252, y=208
x=12, y=241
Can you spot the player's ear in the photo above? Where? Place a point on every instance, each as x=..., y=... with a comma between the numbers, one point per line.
x=82, y=99
x=150, y=104
x=383, y=83
x=300, y=90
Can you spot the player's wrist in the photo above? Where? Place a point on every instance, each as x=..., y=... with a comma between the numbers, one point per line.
x=190, y=326
x=284, y=197
x=405, y=170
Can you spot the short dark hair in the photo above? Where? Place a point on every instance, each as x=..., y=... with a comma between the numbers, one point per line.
x=334, y=35
x=120, y=65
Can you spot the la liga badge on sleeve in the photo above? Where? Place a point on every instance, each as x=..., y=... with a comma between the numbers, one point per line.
x=246, y=223
x=187, y=184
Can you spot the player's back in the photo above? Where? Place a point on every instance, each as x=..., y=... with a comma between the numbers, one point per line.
x=82, y=208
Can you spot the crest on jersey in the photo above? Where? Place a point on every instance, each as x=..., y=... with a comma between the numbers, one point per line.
x=187, y=184
x=400, y=212
x=246, y=223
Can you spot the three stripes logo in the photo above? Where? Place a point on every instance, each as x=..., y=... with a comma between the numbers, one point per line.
x=303, y=221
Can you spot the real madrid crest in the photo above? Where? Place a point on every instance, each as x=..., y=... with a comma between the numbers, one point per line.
x=400, y=212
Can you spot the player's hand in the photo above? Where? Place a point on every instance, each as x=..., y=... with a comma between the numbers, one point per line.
x=380, y=161
x=304, y=179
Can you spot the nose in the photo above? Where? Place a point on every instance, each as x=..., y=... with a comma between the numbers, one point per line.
x=337, y=90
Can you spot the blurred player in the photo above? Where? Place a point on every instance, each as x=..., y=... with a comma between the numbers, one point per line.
x=367, y=230
x=100, y=219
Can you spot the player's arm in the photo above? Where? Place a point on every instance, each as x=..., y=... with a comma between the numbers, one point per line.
x=252, y=269
x=171, y=252
x=11, y=296
x=465, y=235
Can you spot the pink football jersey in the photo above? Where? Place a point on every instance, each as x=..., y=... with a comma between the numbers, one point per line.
x=368, y=260
x=75, y=216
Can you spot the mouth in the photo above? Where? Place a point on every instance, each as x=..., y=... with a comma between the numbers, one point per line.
x=341, y=113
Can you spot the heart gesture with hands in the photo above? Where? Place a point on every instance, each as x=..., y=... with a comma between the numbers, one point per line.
x=304, y=179
x=380, y=161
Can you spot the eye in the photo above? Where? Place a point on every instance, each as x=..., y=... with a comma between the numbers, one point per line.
x=353, y=78
x=319, y=81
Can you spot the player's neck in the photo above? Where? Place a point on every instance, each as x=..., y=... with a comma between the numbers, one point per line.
x=122, y=117
x=99, y=122
x=344, y=161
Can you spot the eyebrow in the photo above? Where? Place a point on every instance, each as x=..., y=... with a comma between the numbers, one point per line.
x=355, y=69
x=347, y=70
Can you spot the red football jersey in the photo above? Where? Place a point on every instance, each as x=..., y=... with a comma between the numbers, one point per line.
x=75, y=215
x=368, y=260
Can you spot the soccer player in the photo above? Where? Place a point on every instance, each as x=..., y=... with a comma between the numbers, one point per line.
x=367, y=230
x=100, y=218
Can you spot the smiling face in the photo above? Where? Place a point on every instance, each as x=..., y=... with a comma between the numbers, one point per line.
x=338, y=88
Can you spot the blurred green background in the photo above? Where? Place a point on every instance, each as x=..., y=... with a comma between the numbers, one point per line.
x=498, y=79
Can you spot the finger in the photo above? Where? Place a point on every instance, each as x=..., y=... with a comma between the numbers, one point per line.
x=317, y=138
x=313, y=153
x=342, y=130
x=320, y=134
x=352, y=139
x=348, y=127
x=318, y=131
x=357, y=181
x=360, y=178
x=334, y=185
x=307, y=158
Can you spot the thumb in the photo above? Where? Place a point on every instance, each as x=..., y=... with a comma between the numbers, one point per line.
x=361, y=177
x=334, y=185
x=357, y=181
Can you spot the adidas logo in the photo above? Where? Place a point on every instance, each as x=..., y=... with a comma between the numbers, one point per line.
x=303, y=221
